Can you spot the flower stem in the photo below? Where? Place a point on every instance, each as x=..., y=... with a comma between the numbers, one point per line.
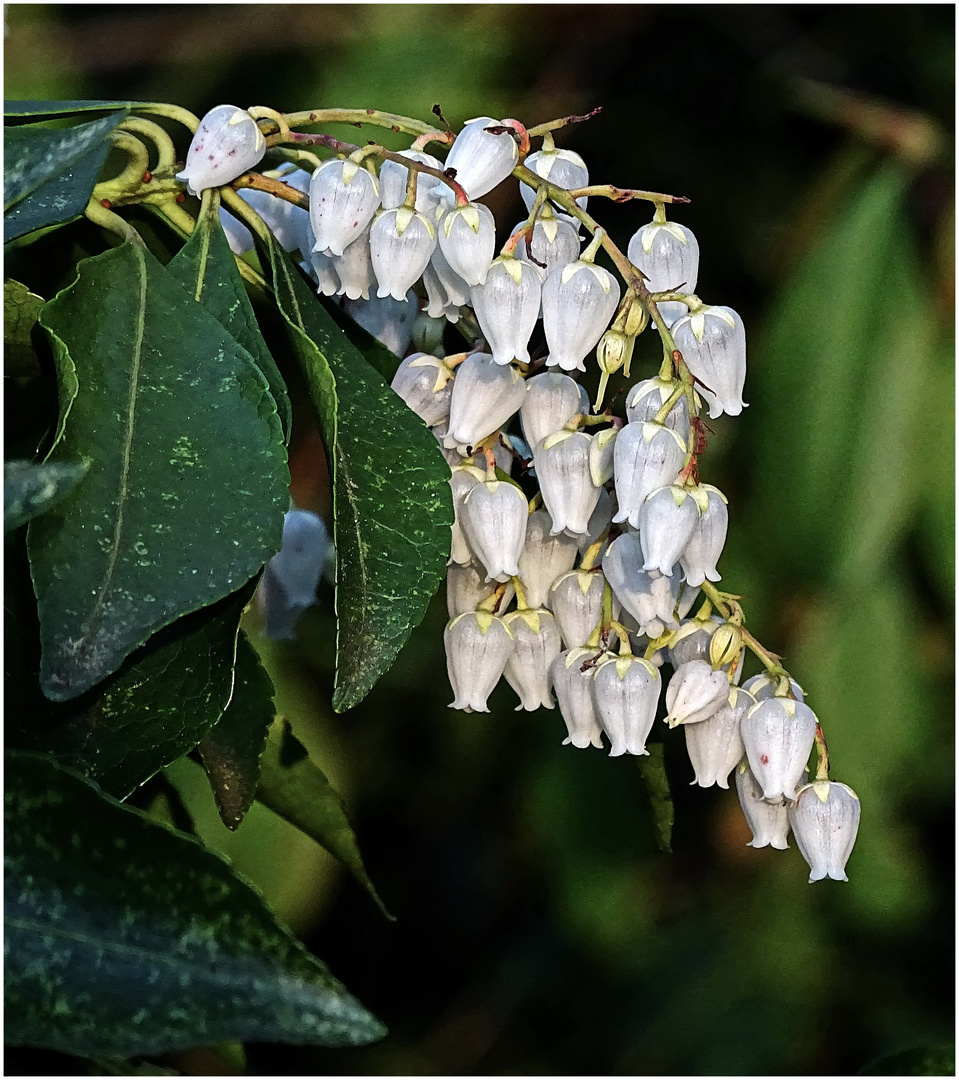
x=359, y=117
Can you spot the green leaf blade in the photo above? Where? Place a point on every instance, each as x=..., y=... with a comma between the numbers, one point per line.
x=188, y=483
x=124, y=937
x=49, y=175
x=30, y=490
x=392, y=506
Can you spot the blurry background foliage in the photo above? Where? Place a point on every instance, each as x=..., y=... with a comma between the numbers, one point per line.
x=540, y=931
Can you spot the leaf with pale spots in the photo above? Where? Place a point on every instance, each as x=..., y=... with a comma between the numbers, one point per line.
x=29, y=490
x=124, y=937
x=392, y=506
x=49, y=175
x=187, y=486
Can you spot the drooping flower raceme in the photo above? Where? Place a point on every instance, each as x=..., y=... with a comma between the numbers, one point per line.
x=227, y=143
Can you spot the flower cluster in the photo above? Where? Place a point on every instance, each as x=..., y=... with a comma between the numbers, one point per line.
x=605, y=539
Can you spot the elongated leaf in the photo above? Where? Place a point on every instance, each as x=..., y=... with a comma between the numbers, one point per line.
x=392, y=506
x=50, y=109
x=652, y=768
x=188, y=484
x=124, y=937
x=164, y=699
x=206, y=267
x=296, y=788
x=231, y=752
x=49, y=176
x=29, y=490
x=373, y=351
x=20, y=311
x=839, y=391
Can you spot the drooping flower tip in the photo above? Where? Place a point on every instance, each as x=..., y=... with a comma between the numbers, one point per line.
x=227, y=143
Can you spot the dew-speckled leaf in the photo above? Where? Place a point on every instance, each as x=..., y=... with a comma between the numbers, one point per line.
x=29, y=489
x=188, y=482
x=49, y=175
x=20, y=310
x=392, y=506
x=124, y=937
x=165, y=698
x=652, y=768
x=231, y=752
x=206, y=267
x=376, y=354
x=295, y=787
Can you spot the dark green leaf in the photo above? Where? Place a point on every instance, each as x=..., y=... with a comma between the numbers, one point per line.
x=124, y=937
x=231, y=752
x=188, y=484
x=50, y=109
x=164, y=699
x=104, y=1066
x=29, y=490
x=652, y=768
x=295, y=788
x=49, y=175
x=373, y=351
x=20, y=310
x=392, y=506
x=206, y=267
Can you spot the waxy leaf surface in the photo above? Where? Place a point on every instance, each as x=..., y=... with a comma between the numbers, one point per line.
x=187, y=486
x=124, y=937
x=392, y=506
x=29, y=490
x=49, y=175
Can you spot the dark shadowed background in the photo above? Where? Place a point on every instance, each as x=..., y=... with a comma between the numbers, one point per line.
x=539, y=930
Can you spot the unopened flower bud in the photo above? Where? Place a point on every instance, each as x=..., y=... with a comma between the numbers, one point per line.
x=632, y=317
x=725, y=645
x=227, y=144
x=825, y=821
x=694, y=693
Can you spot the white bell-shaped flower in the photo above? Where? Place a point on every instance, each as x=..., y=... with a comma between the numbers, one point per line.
x=238, y=236
x=537, y=644
x=354, y=268
x=228, y=142
x=485, y=396
x=481, y=160
x=564, y=168
x=766, y=686
x=668, y=254
x=571, y=675
x=554, y=241
x=688, y=595
x=288, y=585
x=578, y=302
x=394, y=178
x=702, y=550
x=713, y=343
x=551, y=401
x=401, y=243
x=646, y=399
x=601, y=455
x=425, y=383
x=467, y=588
x=692, y=640
x=778, y=734
x=646, y=456
x=650, y=597
x=389, y=320
x=478, y=646
x=576, y=599
x=715, y=746
x=464, y=478
x=825, y=821
x=507, y=307
x=768, y=822
x=455, y=289
x=493, y=516
x=565, y=481
x=626, y=693
x=343, y=199
x=467, y=238
x=545, y=556
x=666, y=522
x=694, y=693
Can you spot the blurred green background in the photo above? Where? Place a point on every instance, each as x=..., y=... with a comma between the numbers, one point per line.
x=539, y=930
